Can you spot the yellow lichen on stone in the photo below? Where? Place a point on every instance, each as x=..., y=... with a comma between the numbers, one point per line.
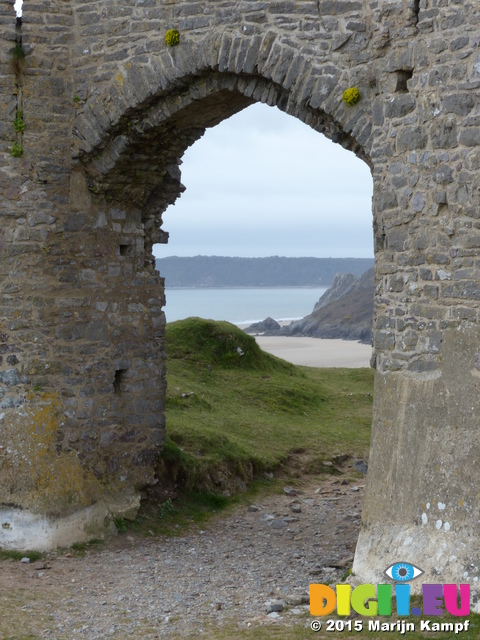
x=33, y=474
x=172, y=38
x=351, y=96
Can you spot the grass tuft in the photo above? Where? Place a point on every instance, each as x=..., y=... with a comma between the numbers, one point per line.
x=6, y=554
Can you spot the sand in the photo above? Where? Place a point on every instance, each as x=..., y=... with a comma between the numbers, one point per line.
x=316, y=352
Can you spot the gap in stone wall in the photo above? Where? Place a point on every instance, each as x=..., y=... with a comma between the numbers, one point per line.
x=416, y=10
x=126, y=249
x=403, y=76
x=118, y=381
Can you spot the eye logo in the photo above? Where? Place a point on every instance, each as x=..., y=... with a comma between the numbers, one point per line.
x=403, y=572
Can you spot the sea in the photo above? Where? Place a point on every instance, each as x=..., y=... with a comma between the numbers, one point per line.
x=242, y=306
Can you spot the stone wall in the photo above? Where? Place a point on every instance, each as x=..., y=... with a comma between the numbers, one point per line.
x=109, y=110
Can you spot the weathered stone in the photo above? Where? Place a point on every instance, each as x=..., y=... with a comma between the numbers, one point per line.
x=74, y=222
x=431, y=291
x=399, y=106
x=412, y=138
x=444, y=133
x=470, y=137
x=460, y=104
x=443, y=174
x=418, y=202
x=384, y=340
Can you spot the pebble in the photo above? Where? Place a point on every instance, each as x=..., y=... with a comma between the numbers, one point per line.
x=274, y=605
x=360, y=465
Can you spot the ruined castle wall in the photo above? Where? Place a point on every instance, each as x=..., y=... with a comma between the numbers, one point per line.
x=109, y=111
x=82, y=321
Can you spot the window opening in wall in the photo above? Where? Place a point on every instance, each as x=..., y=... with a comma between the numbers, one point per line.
x=126, y=249
x=416, y=9
x=380, y=242
x=119, y=380
x=403, y=76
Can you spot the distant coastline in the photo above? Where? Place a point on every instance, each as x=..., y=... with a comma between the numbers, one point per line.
x=240, y=287
x=221, y=272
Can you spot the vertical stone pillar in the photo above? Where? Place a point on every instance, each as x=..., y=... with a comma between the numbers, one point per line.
x=422, y=496
x=82, y=363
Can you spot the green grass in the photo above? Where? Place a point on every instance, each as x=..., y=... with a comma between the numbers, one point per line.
x=190, y=507
x=251, y=411
x=235, y=413
x=79, y=548
x=6, y=554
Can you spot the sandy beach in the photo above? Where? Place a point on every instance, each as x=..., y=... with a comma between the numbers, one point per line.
x=315, y=352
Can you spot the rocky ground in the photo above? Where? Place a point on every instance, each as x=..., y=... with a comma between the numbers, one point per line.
x=240, y=567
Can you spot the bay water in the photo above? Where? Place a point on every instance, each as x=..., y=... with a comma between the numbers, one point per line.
x=242, y=305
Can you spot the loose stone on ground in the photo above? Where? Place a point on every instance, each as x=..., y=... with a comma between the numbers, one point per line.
x=251, y=568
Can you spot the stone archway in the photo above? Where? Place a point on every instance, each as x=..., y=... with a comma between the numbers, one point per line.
x=82, y=312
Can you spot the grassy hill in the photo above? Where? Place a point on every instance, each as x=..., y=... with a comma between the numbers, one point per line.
x=234, y=411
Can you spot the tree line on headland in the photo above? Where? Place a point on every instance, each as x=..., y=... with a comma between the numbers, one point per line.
x=274, y=271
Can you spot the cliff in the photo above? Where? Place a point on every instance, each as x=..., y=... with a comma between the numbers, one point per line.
x=344, y=311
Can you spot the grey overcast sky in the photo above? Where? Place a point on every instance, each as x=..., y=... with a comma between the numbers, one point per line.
x=263, y=183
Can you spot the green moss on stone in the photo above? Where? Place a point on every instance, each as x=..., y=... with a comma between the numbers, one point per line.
x=18, y=123
x=172, y=38
x=16, y=150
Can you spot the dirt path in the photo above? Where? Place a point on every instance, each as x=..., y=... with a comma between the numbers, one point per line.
x=137, y=588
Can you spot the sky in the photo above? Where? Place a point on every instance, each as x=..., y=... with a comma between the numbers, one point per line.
x=262, y=183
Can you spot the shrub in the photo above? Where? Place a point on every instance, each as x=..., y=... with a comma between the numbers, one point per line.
x=18, y=123
x=16, y=150
x=18, y=59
